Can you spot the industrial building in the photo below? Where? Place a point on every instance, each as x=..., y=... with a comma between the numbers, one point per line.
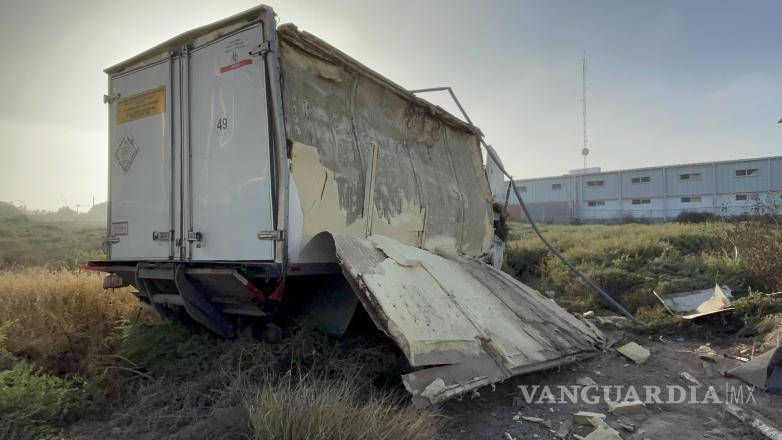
x=655, y=193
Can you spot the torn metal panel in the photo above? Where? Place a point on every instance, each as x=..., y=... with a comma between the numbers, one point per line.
x=370, y=158
x=691, y=305
x=477, y=325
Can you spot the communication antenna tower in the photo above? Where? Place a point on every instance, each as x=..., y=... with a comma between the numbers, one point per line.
x=585, y=148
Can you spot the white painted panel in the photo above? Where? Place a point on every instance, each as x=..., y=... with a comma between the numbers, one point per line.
x=140, y=148
x=231, y=181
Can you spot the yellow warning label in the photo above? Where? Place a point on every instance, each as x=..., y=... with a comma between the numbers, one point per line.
x=141, y=105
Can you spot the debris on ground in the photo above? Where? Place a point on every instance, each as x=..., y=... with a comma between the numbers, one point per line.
x=586, y=381
x=626, y=407
x=634, y=352
x=613, y=320
x=585, y=417
x=564, y=429
x=434, y=388
x=707, y=353
x=507, y=436
x=589, y=314
x=533, y=419
x=755, y=421
x=698, y=303
x=763, y=371
x=686, y=375
x=602, y=431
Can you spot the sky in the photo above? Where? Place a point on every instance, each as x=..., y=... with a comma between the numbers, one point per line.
x=668, y=82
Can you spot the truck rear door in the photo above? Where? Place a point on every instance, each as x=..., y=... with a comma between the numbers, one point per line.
x=229, y=181
x=141, y=221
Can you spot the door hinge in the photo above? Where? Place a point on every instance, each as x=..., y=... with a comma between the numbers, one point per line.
x=262, y=49
x=162, y=235
x=108, y=99
x=276, y=235
x=194, y=236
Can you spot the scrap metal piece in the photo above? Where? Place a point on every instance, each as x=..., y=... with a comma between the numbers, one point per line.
x=698, y=303
x=470, y=323
x=764, y=371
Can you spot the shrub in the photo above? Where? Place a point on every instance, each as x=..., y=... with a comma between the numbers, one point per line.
x=25, y=243
x=695, y=217
x=32, y=403
x=316, y=408
x=758, y=246
x=629, y=261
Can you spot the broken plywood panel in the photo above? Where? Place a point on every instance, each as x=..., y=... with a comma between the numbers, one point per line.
x=475, y=324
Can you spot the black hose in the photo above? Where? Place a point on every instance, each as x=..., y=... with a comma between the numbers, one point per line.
x=574, y=269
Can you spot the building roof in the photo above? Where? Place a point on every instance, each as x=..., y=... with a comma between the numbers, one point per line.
x=678, y=165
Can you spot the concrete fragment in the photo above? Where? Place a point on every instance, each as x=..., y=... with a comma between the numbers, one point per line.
x=634, y=352
x=533, y=419
x=585, y=417
x=626, y=407
x=589, y=314
x=627, y=427
x=434, y=388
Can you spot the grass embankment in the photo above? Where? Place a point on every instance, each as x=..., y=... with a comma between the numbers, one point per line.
x=27, y=243
x=630, y=261
x=72, y=353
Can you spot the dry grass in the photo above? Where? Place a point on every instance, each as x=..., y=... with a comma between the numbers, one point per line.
x=61, y=320
x=75, y=350
x=313, y=408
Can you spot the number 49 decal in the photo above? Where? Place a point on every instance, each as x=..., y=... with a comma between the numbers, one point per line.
x=222, y=125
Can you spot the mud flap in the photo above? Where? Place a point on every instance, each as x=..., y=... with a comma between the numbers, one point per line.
x=199, y=308
x=469, y=323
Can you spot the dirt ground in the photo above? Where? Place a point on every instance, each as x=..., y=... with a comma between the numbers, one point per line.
x=491, y=415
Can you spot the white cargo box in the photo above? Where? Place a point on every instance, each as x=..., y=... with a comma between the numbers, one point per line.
x=241, y=142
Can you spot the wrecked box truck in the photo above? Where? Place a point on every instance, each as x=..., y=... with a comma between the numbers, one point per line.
x=252, y=165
